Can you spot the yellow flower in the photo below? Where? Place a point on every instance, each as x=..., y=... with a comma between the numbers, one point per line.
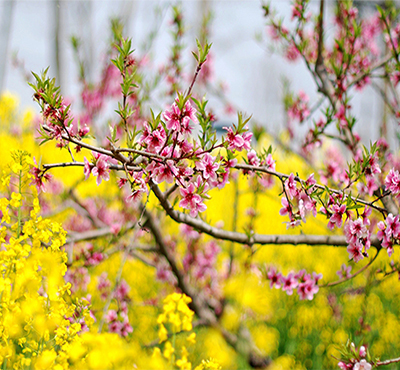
x=183, y=362
x=191, y=338
x=168, y=350
x=4, y=209
x=209, y=364
x=46, y=360
x=162, y=333
x=15, y=200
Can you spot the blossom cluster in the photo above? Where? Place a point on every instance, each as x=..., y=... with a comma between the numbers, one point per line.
x=358, y=236
x=306, y=284
x=300, y=197
x=355, y=359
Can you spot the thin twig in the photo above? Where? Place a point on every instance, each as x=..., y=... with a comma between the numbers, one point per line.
x=334, y=283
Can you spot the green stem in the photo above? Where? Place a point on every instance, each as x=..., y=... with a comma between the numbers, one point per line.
x=20, y=206
x=173, y=353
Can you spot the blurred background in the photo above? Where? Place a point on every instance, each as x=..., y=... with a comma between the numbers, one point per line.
x=37, y=34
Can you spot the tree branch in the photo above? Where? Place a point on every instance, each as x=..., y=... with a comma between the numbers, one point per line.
x=387, y=362
x=242, y=238
x=200, y=305
x=283, y=177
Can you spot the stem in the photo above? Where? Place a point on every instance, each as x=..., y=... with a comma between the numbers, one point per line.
x=351, y=276
x=19, y=207
x=320, y=33
x=173, y=353
x=234, y=225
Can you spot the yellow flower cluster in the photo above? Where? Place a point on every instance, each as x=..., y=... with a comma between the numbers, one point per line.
x=210, y=364
x=33, y=295
x=177, y=313
x=178, y=316
x=41, y=324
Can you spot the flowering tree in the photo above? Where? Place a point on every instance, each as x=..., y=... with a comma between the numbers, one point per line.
x=168, y=165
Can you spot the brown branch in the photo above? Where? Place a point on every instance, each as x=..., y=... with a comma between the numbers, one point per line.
x=114, y=167
x=140, y=152
x=92, y=234
x=283, y=177
x=387, y=362
x=384, y=97
x=389, y=204
x=81, y=143
x=379, y=64
x=320, y=28
x=199, y=303
x=242, y=238
x=81, y=208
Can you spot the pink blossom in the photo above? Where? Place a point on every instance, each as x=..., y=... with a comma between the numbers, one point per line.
x=78, y=277
x=121, y=292
x=362, y=351
x=138, y=187
x=208, y=166
x=293, y=223
x=355, y=251
x=289, y=283
x=104, y=285
x=111, y=316
x=87, y=169
x=115, y=327
x=238, y=141
x=362, y=365
x=189, y=232
x=308, y=286
x=121, y=182
x=286, y=209
x=344, y=271
x=161, y=172
x=173, y=118
x=336, y=218
x=355, y=230
x=94, y=259
x=373, y=166
x=371, y=185
x=126, y=328
x=253, y=158
x=191, y=200
x=154, y=140
x=101, y=169
x=179, y=121
x=299, y=108
x=269, y=162
x=291, y=187
x=389, y=232
x=275, y=278
x=39, y=177
x=292, y=53
x=392, y=182
x=83, y=131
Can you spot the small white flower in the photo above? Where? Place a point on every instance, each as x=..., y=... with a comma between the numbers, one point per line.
x=362, y=365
